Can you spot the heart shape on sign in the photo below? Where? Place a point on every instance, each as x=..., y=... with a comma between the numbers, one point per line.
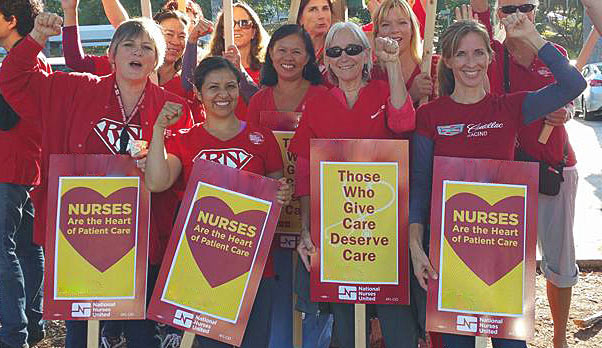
x=220, y=266
x=488, y=262
x=103, y=244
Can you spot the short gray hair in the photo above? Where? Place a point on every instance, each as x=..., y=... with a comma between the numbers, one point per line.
x=133, y=28
x=360, y=36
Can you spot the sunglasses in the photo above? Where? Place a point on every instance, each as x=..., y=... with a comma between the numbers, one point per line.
x=244, y=23
x=351, y=50
x=510, y=9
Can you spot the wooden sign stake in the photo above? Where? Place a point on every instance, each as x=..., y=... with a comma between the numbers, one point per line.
x=182, y=5
x=297, y=320
x=429, y=36
x=228, y=23
x=360, y=325
x=93, y=333
x=480, y=342
x=293, y=12
x=187, y=340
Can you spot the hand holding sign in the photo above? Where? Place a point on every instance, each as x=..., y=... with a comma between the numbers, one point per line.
x=233, y=56
x=284, y=192
x=169, y=115
x=423, y=270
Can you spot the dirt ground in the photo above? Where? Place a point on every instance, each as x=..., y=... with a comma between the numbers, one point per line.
x=587, y=300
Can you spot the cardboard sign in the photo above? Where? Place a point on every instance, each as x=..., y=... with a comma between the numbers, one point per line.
x=359, y=209
x=483, y=237
x=98, y=221
x=283, y=125
x=217, y=252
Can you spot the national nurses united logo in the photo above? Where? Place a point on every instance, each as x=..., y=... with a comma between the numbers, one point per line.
x=109, y=132
x=234, y=158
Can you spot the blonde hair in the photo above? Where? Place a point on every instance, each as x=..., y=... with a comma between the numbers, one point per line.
x=449, y=41
x=385, y=8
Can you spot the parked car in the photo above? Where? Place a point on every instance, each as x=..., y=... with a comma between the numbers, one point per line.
x=589, y=103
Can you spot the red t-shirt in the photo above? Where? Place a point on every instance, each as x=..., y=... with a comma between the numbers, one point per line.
x=326, y=116
x=263, y=100
x=243, y=152
x=486, y=129
x=536, y=76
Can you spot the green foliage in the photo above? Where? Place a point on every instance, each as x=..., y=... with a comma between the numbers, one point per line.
x=561, y=24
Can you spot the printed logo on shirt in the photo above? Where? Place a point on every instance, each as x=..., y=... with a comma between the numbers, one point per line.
x=481, y=129
x=109, y=132
x=380, y=110
x=256, y=138
x=544, y=71
x=234, y=158
x=450, y=130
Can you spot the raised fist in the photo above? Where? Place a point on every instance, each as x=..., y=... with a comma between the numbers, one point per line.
x=203, y=27
x=386, y=49
x=518, y=26
x=169, y=115
x=47, y=24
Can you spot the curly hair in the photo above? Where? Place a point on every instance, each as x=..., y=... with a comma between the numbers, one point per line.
x=258, y=43
x=25, y=11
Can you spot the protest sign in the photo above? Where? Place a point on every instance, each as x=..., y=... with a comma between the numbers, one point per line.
x=359, y=209
x=98, y=220
x=483, y=235
x=216, y=255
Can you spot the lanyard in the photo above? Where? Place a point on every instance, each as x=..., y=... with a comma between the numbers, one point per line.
x=124, y=138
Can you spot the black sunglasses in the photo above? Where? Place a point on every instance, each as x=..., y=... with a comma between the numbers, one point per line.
x=351, y=50
x=243, y=23
x=510, y=9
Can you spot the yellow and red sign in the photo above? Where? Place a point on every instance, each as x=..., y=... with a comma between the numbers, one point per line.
x=359, y=221
x=215, y=258
x=98, y=235
x=483, y=233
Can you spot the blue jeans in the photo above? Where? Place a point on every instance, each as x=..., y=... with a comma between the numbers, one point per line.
x=21, y=267
x=138, y=333
x=282, y=300
x=459, y=341
x=317, y=330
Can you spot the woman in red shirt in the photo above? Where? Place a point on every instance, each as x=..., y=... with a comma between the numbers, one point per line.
x=101, y=116
x=356, y=108
x=315, y=16
x=222, y=133
x=466, y=121
x=396, y=20
x=290, y=77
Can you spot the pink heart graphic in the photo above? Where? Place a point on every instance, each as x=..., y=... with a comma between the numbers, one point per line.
x=488, y=262
x=101, y=244
x=223, y=261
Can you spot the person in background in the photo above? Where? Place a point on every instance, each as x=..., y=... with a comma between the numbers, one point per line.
x=396, y=20
x=516, y=68
x=247, y=53
x=290, y=77
x=315, y=16
x=356, y=108
x=21, y=255
x=216, y=81
x=102, y=116
x=466, y=56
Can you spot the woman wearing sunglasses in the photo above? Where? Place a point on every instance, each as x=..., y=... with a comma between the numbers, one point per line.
x=466, y=55
x=396, y=20
x=355, y=108
x=516, y=68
